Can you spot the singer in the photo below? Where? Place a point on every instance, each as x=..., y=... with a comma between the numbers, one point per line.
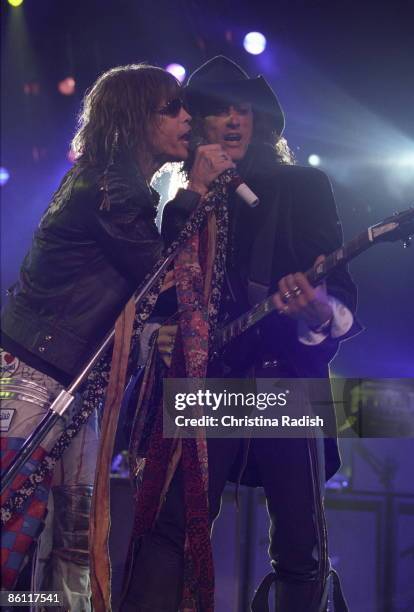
x=95, y=243
x=294, y=224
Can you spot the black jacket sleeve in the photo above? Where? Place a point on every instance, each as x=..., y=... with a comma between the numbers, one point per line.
x=130, y=239
x=121, y=218
x=318, y=231
x=176, y=212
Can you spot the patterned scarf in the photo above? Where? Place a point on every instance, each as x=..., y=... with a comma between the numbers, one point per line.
x=199, y=272
x=94, y=388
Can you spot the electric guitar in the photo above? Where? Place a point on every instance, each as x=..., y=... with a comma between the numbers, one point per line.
x=398, y=227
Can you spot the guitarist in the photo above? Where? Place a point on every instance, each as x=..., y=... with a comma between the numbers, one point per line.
x=295, y=223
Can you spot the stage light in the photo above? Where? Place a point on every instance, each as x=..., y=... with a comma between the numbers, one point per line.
x=176, y=70
x=31, y=89
x=254, y=43
x=176, y=181
x=67, y=86
x=39, y=153
x=15, y=2
x=4, y=176
x=314, y=160
x=405, y=161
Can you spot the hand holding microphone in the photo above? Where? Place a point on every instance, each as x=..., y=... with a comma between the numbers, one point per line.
x=210, y=161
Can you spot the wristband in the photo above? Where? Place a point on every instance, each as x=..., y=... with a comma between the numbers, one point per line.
x=323, y=327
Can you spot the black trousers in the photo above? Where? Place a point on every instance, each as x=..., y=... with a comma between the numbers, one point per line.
x=283, y=466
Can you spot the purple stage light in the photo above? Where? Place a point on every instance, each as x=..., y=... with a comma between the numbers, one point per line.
x=176, y=70
x=4, y=176
x=254, y=43
x=31, y=89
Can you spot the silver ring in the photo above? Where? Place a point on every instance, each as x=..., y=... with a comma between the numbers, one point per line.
x=283, y=310
x=296, y=290
x=287, y=295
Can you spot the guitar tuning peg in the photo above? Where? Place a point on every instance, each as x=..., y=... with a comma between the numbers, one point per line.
x=407, y=242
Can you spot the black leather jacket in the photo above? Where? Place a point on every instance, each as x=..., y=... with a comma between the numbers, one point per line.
x=94, y=245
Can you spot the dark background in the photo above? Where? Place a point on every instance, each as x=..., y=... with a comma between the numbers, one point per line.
x=342, y=70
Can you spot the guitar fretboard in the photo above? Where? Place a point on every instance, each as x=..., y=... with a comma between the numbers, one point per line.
x=339, y=257
x=314, y=275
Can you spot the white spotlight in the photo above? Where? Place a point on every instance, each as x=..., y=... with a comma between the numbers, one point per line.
x=176, y=70
x=406, y=161
x=314, y=160
x=254, y=43
x=176, y=180
x=4, y=176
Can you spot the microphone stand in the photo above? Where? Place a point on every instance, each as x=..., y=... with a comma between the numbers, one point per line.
x=65, y=398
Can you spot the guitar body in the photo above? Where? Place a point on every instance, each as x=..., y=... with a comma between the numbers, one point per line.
x=236, y=358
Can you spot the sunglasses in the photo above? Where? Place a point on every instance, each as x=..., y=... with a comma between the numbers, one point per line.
x=172, y=108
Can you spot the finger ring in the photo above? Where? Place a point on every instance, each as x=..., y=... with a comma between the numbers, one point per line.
x=283, y=310
x=296, y=290
x=287, y=295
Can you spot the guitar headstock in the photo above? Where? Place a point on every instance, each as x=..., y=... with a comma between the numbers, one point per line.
x=398, y=227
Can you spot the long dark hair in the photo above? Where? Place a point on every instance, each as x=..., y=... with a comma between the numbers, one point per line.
x=117, y=111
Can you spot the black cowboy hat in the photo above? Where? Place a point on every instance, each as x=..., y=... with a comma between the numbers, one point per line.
x=222, y=80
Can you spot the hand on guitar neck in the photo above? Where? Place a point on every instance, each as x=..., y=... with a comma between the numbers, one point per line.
x=296, y=298
x=303, y=295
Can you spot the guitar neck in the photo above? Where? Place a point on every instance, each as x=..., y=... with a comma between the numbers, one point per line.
x=341, y=256
x=314, y=275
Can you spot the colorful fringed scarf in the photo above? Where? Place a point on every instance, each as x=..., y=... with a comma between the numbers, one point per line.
x=94, y=388
x=198, y=271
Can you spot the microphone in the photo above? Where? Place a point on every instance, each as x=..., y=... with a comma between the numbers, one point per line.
x=237, y=184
